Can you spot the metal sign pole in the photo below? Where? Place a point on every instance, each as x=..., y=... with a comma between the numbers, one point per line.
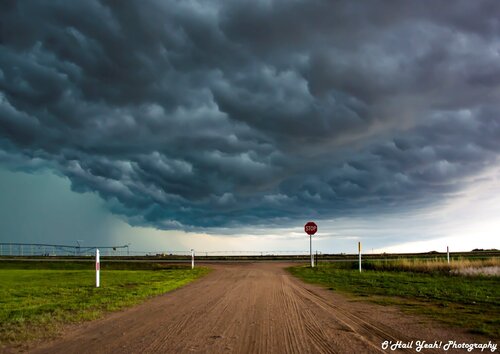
x=310, y=249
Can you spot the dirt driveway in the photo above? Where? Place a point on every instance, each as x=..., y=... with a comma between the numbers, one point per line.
x=251, y=308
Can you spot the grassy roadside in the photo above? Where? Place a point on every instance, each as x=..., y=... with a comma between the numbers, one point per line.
x=472, y=303
x=36, y=303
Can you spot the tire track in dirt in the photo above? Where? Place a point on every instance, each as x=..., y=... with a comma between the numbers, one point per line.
x=370, y=333
x=242, y=308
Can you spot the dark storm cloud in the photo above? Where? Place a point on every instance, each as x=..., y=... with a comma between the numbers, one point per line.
x=189, y=114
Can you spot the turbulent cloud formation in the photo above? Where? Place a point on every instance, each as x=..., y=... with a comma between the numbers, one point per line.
x=200, y=114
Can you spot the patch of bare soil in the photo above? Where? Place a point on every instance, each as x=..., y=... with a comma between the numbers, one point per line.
x=254, y=308
x=493, y=271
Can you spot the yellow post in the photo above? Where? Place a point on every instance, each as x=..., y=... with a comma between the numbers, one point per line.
x=359, y=253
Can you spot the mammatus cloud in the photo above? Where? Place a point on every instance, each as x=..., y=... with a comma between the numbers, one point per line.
x=195, y=114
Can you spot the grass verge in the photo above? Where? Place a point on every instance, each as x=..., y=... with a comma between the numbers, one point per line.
x=36, y=303
x=472, y=303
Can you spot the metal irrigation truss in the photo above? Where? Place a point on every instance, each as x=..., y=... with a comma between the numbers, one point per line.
x=44, y=249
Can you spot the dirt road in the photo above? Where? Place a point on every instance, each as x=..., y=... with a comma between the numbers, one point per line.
x=249, y=308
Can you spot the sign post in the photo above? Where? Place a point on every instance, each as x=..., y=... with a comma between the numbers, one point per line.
x=359, y=252
x=192, y=258
x=311, y=228
x=97, y=268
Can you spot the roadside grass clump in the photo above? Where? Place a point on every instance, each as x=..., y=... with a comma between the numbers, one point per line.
x=436, y=265
x=471, y=302
x=36, y=303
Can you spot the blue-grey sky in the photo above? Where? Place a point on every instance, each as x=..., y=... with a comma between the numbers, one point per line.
x=231, y=124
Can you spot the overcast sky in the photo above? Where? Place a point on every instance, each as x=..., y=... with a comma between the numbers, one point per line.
x=229, y=124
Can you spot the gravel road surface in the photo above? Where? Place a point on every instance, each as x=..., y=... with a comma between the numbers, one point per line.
x=252, y=308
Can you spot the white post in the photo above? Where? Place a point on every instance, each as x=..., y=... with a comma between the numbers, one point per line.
x=97, y=268
x=192, y=258
x=311, y=250
x=448, y=254
x=359, y=252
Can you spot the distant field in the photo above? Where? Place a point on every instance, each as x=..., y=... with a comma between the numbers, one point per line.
x=37, y=298
x=471, y=302
x=269, y=256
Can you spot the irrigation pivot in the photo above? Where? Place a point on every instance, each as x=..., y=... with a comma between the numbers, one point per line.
x=311, y=228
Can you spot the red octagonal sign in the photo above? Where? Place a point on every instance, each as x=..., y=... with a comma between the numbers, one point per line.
x=310, y=228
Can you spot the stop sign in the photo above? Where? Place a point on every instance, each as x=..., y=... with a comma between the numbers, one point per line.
x=310, y=228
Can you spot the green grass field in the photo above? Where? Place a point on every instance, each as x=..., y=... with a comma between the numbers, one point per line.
x=36, y=303
x=467, y=302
